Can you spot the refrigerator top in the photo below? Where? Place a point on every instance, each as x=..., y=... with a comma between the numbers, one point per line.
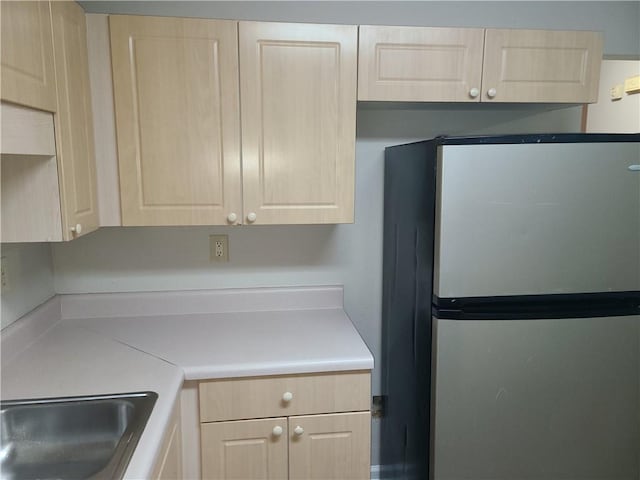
x=538, y=138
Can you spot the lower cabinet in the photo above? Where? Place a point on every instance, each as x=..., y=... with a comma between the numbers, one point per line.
x=169, y=463
x=330, y=446
x=245, y=449
x=331, y=440
x=333, y=446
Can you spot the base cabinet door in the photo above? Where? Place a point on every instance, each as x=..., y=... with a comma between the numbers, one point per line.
x=330, y=447
x=245, y=450
x=27, y=55
x=169, y=466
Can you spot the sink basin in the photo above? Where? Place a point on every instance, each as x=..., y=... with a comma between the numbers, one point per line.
x=73, y=437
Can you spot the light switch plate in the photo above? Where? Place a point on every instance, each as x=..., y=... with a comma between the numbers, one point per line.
x=616, y=92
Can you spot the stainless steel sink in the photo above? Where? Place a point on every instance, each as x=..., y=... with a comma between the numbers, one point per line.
x=73, y=437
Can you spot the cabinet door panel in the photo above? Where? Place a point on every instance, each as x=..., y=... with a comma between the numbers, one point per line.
x=541, y=66
x=298, y=87
x=169, y=465
x=177, y=116
x=244, y=450
x=419, y=64
x=330, y=447
x=27, y=55
x=74, y=121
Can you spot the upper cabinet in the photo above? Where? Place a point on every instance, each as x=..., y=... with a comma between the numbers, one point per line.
x=177, y=86
x=27, y=55
x=417, y=64
x=74, y=121
x=453, y=65
x=45, y=67
x=541, y=66
x=177, y=120
x=298, y=90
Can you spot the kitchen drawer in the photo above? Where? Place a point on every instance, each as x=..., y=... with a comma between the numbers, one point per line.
x=260, y=397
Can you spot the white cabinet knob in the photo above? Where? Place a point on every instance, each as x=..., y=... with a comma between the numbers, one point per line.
x=277, y=431
x=491, y=93
x=232, y=217
x=298, y=430
x=77, y=229
x=287, y=397
x=251, y=217
x=474, y=92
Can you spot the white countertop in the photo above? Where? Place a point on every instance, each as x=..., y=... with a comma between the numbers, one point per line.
x=73, y=361
x=243, y=344
x=115, y=343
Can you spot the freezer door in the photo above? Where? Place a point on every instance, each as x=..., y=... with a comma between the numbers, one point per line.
x=529, y=219
x=537, y=399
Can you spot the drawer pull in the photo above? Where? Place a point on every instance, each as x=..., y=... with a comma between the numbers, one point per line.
x=298, y=430
x=277, y=431
x=287, y=397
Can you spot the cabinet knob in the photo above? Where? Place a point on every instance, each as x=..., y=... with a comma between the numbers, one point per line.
x=474, y=92
x=251, y=217
x=287, y=397
x=232, y=217
x=277, y=431
x=298, y=430
x=77, y=229
x=491, y=93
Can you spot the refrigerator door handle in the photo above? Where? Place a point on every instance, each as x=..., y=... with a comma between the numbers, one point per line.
x=414, y=336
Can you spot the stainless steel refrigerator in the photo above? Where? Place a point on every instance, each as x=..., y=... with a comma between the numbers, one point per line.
x=511, y=308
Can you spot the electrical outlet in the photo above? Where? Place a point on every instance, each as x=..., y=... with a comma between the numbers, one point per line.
x=219, y=248
x=377, y=406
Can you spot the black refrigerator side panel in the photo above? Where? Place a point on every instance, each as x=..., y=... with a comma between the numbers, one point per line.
x=409, y=205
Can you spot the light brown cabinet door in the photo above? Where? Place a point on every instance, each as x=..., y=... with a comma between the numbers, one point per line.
x=419, y=64
x=541, y=66
x=330, y=447
x=27, y=54
x=169, y=465
x=245, y=450
x=298, y=90
x=74, y=121
x=177, y=116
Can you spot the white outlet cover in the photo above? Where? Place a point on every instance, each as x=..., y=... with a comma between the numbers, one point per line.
x=218, y=248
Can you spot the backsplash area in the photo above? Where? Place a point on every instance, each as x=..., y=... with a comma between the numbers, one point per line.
x=28, y=273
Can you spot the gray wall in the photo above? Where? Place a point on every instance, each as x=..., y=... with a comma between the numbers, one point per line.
x=30, y=275
x=619, y=21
